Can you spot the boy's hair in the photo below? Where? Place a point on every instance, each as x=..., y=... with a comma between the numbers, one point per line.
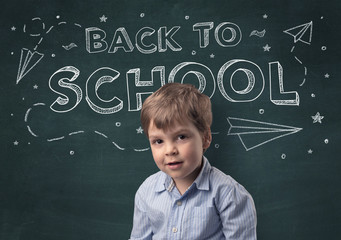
x=176, y=103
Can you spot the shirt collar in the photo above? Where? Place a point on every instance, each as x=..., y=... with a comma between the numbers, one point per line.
x=202, y=182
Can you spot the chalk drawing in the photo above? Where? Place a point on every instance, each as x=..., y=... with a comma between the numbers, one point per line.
x=56, y=139
x=139, y=130
x=70, y=46
x=141, y=150
x=101, y=134
x=302, y=33
x=61, y=78
x=203, y=35
x=31, y=132
x=74, y=133
x=276, y=68
x=258, y=33
x=317, y=118
x=200, y=71
x=251, y=133
x=266, y=48
x=252, y=72
x=266, y=132
x=26, y=118
x=118, y=124
x=28, y=60
x=120, y=148
x=103, y=18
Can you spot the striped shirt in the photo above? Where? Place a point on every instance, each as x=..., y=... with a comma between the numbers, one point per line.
x=215, y=206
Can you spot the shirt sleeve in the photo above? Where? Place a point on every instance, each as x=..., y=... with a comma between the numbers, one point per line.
x=238, y=214
x=141, y=225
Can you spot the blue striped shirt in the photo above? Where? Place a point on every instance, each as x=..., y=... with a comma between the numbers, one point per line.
x=215, y=206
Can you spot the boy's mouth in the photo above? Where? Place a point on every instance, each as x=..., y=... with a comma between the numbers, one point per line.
x=174, y=165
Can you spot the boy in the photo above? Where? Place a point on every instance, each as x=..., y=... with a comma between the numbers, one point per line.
x=188, y=199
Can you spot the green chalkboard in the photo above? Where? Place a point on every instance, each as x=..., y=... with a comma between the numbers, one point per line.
x=74, y=75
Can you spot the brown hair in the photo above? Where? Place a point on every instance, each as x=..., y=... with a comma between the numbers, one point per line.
x=176, y=103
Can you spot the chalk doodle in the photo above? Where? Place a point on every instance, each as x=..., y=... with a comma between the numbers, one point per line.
x=59, y=138
x=29, y=59
x=302, y=33
x=245, y=129
x=317, y=118
x=139, y=130
x=147, y=40
x=258, y=33
x=266, y=48
x=70, y=46
x=103, y=18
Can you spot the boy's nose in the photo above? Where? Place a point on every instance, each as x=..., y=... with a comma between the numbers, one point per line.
x=171, y=150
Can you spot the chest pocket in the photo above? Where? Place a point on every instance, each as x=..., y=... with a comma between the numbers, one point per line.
x=202, y=222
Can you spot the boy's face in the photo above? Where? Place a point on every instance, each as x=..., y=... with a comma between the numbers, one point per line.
x=178, y=150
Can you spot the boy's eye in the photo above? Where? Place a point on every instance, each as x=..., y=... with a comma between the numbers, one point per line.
x=181, y=137
x=157, y=141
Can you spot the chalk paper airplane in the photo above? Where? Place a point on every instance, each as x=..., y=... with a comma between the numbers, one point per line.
x=28, y=60
x=253, y=134
x=302, y=33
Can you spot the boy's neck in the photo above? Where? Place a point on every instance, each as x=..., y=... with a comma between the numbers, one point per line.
x=183, y=184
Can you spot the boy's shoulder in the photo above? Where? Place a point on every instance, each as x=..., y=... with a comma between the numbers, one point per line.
x=219, y=178
x=153, y=182
x=223, y=184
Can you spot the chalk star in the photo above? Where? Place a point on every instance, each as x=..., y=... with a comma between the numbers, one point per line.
x=310, y=151
x=326, y=75
x=16, y=143
x=35, y=86
x=266, y=48
x=317, y=118
x=13, y=28
x=212, y=55
x=139, y=130
x=265, y=16
x=103, y=18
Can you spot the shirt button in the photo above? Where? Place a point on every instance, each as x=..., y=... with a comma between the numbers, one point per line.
x=179, y=203
x=174, y=229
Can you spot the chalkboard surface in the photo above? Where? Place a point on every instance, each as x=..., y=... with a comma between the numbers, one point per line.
x=74, y=75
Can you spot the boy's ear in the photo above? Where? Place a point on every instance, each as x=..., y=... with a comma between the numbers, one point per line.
x=207, y=138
